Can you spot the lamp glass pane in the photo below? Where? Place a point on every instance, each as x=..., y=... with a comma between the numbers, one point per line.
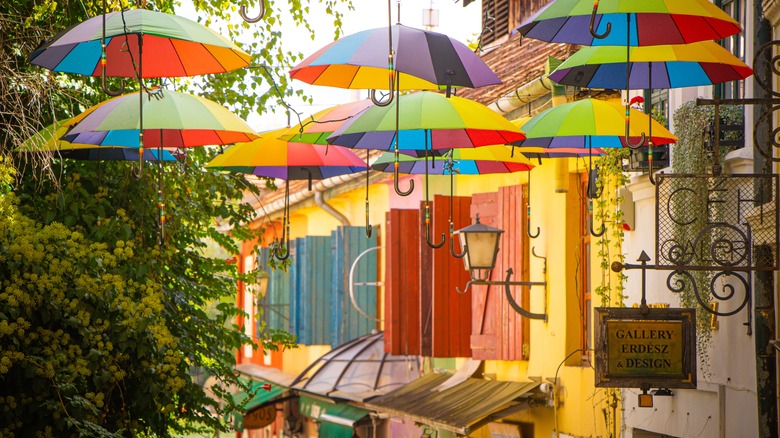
x=482, y=249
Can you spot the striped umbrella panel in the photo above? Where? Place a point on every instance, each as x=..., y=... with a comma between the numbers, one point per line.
x=172, y=47
x=698, y=64
x=652, y=22
x=425, y=60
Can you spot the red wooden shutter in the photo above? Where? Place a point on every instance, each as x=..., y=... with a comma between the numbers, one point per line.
x=402, y=282
x=451, y=311
x=498, y=332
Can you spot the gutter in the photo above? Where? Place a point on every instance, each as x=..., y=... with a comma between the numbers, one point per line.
x=318, y=199
x=526, y=94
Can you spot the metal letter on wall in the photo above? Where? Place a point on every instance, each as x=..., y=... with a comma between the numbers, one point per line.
x=639, y=347
x=712, y=223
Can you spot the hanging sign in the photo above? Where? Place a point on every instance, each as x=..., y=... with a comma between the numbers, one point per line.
x=260, y=418
x=638, y=347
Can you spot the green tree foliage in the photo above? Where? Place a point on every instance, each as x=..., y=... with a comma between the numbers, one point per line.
x=105, y=313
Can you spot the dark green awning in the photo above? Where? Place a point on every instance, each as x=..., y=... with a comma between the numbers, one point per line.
x=259, y=395
x=336, y=414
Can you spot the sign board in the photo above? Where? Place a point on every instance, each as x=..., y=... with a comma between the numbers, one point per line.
x=655, y=347
x=712, y=223
x=260, y=418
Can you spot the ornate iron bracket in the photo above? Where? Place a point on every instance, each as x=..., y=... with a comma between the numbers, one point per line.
x=678, y=279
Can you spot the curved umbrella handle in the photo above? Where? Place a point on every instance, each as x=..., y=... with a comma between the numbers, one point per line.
x=428, y=230
x=528, y=230
x=628, y=138
x=397, y=188
x=108, y=91
x=452, y=244
x=282, y=256
x=242, y=13
x=593, y=22
x=378, y=101
x=600, y=233
x=369, y=227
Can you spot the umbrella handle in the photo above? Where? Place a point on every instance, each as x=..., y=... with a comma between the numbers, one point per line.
x=593, y=22
x=593, y=232
x=242, y=13
x=377, y=101
x=452, y=244
x=428, y=234
x=108, y=91
x=282, y=256
x=633, y=145
x=398, y=189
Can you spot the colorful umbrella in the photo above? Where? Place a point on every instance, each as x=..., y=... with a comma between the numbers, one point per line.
x=429, y=121
x=425, y=60
x=270, y=157
x=317, y=127
x=588, y=123
x=613, y=22
x=173, y=120
x=671, y=66
x=480, y=161
x=113, y=154
x=173, y=46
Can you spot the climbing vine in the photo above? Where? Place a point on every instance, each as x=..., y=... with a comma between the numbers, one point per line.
x=694, y=154
x=606, y=211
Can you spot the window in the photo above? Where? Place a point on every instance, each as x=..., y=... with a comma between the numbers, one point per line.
x=736, y=45
x=583, y=278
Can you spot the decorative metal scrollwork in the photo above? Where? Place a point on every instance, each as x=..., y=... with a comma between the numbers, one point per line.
x=724, y=286
x=711, y=223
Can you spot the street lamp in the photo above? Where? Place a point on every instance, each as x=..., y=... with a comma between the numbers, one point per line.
x=480, y=246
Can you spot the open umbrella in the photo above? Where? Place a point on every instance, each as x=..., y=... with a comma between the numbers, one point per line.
x=173, y=46
x=670, y=66
x=480, y=161
x=587, y=123
x=113, y=154
x=424, y=60
x=613, y=22
x=177, y=120
x=428, y=121
x=270, y=157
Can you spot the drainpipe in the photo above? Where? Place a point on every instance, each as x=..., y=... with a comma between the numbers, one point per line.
x=301, y=196
x=527, y=93
x=318, y=199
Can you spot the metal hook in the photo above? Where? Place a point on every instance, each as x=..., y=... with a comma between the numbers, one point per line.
x=466, y=289
x=544, y=259
x=593, y=22
x=242, y=13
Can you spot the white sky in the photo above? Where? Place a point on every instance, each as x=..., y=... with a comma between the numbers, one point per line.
x=456, y=21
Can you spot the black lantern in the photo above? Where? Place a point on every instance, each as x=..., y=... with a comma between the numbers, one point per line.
x=480, y=248
x=480, y=242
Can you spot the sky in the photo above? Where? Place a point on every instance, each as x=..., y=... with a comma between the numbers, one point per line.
x=456, y=21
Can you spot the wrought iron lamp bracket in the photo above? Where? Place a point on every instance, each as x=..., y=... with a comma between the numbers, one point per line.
x=507, y=283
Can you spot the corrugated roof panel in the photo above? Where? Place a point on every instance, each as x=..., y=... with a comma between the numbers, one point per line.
x=461, y=408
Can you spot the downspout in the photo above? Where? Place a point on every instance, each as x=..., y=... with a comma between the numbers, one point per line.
x=318, y=199
x=527, y=93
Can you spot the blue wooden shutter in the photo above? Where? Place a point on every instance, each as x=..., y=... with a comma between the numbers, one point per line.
x=276, y=301
x=347, y=323
x=312, y=290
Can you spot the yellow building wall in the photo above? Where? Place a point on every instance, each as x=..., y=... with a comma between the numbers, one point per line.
x=580, y=405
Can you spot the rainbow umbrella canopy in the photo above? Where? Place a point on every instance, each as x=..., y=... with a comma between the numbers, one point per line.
x=479, y=161
x=589, y=123
x=428, y=121
x=670, y=66
x=173, y=46
x=638, y=22
x=175, y=120
x=268, y=156
x=424, y=60
x=114, y=154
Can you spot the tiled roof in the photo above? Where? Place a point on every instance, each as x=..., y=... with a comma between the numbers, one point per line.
x=517, y=62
